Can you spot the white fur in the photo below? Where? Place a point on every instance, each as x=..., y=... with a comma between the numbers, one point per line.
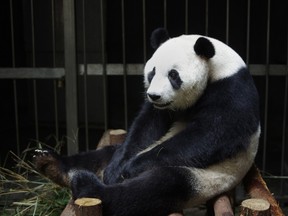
x=71, y=174
x=226, y=175
x=178, y=53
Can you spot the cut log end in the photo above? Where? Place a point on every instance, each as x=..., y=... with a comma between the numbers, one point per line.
x=112, y=137
x=83, y=207
x=255, y=207
x=87, y=202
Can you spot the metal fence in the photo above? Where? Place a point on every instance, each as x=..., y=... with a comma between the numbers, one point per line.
x=73, y=68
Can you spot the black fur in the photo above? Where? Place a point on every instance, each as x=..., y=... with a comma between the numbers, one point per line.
x=175, y=79
x=156, y=182
x=158, y=37
x=203, y=47
x=156, y=192
x=151, y=75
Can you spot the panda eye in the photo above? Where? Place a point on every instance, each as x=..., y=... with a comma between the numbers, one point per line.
x=173, y=74
x=175, y=79
x=151, y=75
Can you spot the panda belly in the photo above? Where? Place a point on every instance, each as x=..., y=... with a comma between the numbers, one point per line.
x=224, y=176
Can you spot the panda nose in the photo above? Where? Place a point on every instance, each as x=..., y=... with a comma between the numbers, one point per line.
x=154, y=97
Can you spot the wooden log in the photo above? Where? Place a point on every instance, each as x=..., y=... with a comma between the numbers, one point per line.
x=222, y=206
x=112, y=137
x=83, y=207
x=256, y=187
x=117, y=136
x=255, y=207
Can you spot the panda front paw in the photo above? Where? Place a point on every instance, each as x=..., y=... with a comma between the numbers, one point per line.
x=85, y=184
x=133, y=168
x=49, y=164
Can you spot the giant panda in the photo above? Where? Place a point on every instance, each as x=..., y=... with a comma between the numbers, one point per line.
x=195, y=137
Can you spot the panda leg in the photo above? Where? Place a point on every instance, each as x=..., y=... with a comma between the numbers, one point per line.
x=56, y=167
x=158, y=192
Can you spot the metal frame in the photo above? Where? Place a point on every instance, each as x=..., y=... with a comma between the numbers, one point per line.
x=72, y=69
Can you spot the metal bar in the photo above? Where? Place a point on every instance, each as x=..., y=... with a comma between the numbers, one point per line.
x=266, y=88
x=124, y=64
x=227, y=20
x=165, y=14
x=186, y=16
x=284, y=127
x=71, y=76
x=114, y=69
x=32, y=33
x=36, y=109
x=144, y=31
x=104, y=72
x=85, y=76
x=32, y=73
x=16, y=117
x=284, y=138
x=137, y=69
x=14, y=81
x=55, y=96
x=12, y=34
x=56, y=118
x=206, y=17
x=53, y=33
x=248, y=32
x=34, y=65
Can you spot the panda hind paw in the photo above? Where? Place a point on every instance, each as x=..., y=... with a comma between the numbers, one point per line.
x=49, y=164
x=42, y=158
x=85, y=184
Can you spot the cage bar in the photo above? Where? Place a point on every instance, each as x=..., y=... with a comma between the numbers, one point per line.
x=124, y=64
x=207, y=18
x=266, y=88
x=55, y=96
x=34, y=83
x=165, y=14
x=14, y=81
x=186, y=16
x=227, y=20
x=85, y=76
x=104, y=63
x=70, y=76
x=248, y=32
x=144, y=31
x=284, y=128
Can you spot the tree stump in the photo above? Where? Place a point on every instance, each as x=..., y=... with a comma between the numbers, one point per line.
x=222, y=206
x=255, y=207
x=83, y=207
x=112, y=137
x=256, y=187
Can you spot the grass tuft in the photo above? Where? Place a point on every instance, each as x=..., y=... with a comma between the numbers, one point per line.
x=24, y=191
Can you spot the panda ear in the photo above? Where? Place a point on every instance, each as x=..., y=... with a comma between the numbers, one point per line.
x=158, y=36
x=203, y=47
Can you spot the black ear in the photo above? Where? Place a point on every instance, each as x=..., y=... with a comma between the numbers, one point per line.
x=203, y=47
x=158, y=36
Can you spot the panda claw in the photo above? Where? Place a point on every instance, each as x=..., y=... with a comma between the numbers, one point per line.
x=40, y=153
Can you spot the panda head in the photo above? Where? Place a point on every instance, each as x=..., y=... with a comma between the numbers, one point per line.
x=180, y=68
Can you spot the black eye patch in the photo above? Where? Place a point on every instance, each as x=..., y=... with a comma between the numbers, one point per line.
x=175, y=79
x=151, y=75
